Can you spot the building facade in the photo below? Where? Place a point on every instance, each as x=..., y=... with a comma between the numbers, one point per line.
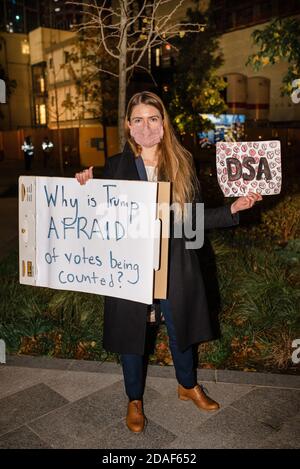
x=47, y=100
x=47, y=94
x=15, y=61
x=23, y=16
x=256, y=94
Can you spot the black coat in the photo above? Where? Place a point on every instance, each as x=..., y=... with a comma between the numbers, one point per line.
x=125, y=321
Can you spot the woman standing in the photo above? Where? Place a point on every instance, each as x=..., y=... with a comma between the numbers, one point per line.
x=154, y=153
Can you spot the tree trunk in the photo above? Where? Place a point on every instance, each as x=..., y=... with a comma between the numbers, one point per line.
x=122, y=76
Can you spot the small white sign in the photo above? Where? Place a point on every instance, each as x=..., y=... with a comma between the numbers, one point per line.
x=2, y=351
x=2, y=92
x=244, y=167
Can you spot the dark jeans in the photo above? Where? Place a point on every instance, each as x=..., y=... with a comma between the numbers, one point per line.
x=45, y=159
x=28, y=161
x=134, y=366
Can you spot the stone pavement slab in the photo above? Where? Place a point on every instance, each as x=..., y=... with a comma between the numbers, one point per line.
x=272, y=406
x=75, y=385
x=86, y=422
x=179, y=416
x=227, y=429
x=26, y=405
x=288, y=436
x=14, y=379
x=22, y=438
x=154, y=437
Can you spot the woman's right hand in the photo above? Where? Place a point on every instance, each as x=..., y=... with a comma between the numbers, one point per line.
x=84, y=175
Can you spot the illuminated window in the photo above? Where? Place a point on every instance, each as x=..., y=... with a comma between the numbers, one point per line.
x=157, y=57
x=25, y=47
x=42, y=84
x=42, y=114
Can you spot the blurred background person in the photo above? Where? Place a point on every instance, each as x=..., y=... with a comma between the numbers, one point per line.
x=47, y=147
x=28, y=150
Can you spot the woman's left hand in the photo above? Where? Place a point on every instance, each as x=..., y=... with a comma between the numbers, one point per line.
x=245, y=202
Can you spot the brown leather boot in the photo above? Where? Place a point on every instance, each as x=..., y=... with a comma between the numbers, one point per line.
x=198, y=396
x=135, y=418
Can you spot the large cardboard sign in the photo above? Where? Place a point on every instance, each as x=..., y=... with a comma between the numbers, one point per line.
x=104, y=237
x=249, y=166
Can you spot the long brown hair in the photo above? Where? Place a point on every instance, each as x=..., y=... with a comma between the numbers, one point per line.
x=175, y=163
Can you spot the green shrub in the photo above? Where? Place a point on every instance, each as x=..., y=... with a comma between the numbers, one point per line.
x=280, y=221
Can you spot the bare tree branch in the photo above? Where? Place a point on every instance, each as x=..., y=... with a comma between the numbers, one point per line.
x=127, y=33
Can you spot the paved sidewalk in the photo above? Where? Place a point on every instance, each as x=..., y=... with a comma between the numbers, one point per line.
x=57, y=403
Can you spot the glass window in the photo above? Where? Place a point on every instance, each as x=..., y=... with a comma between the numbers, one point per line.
x=31, y=3
x=244, y=16
x=228, y=20
x=13, y=16
x=32, y=20
x=157, y=56
x=289, y=7
x=218, y=19
x=38, y=79
x=25, y=47
x=265, y=9
x=37, y=114
x=42, y=84
x=42, y=114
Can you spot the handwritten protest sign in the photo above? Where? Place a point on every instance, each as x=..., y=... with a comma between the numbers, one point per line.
x=101, y=238
x=249, y=166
